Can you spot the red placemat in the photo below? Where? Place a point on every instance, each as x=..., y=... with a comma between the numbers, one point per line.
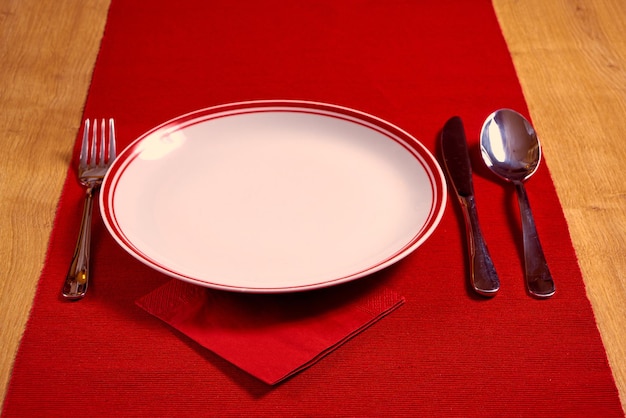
x=445, y=352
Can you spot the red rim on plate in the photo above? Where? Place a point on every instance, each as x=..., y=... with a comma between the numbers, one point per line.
x=273, y=196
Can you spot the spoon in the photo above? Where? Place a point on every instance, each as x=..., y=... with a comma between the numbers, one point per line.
x=511, y=149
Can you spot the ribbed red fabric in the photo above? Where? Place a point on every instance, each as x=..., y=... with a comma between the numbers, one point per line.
x=444, y=352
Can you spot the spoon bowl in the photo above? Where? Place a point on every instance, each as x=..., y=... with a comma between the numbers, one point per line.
x=510, y=146
x=511, y=149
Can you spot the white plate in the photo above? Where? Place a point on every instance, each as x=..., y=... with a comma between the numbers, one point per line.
x=273, y=196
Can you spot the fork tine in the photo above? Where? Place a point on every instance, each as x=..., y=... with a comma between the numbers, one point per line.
x=84, y=149
x=100, y=161
x=111, y=141
x=94, y=143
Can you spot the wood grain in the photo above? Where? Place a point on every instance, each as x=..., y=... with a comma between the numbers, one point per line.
x=47, y=51
x=571, y=60
x=570, y=57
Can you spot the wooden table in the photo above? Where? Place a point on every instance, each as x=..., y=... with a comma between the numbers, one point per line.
x=570, y=57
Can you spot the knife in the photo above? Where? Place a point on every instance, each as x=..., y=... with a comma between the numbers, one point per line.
x=483, y=276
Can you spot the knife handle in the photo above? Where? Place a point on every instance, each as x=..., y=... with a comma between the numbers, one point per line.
x=483, y=276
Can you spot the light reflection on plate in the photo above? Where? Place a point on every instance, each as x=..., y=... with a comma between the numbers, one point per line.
x=273, y=196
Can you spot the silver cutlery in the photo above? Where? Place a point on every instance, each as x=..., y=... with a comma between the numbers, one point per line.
x=483, y=276
x=96, y=156
x=511, y=149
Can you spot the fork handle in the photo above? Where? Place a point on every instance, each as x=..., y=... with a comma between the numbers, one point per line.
x=77, y=278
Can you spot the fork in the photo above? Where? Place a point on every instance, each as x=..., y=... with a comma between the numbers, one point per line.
x=91, y=170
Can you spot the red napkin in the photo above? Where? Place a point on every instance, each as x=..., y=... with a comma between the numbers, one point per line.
x=271, y=336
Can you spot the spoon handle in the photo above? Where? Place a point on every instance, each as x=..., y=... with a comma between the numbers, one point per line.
x=538, y=278
x=483, y=276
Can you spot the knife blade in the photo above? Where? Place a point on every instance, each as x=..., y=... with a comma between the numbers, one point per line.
x=482, y=273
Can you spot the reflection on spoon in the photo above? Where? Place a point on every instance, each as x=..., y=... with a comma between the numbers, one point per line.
x=511, y=149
